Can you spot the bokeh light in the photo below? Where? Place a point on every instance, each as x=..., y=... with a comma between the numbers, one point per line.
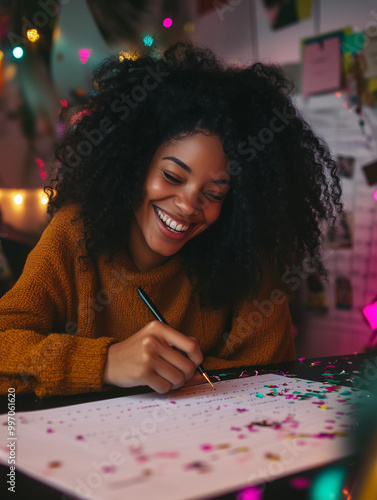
x=328, y=485
x=148, y=40
x=250, y=493
x=84, y=55
x=18, y=52
x=18, y=199
x=44, y=198
x=167, y=22
x=188, y=27
x=32, y=35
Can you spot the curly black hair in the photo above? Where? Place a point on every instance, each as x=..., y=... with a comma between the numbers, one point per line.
x=284, y=185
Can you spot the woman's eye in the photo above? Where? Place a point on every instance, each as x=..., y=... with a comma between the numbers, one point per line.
x=171, y=178
x=215, y=197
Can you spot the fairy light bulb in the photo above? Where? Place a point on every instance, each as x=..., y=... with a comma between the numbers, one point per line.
x=167, y=22
x=44, y=198
x=18, y=199
x=148, y=40
x=18, y=52
x=32, y=35
x=84, y=55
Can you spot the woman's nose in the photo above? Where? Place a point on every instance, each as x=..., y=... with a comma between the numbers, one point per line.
x=189, y=203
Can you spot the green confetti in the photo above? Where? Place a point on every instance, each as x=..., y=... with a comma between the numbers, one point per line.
x=259, y=395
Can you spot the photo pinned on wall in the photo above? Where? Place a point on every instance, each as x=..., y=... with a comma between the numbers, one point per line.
x=281, y=13
x=343, y=294
x=342, y=236
x=370, y=172
x=346, y=166
x=316, y=294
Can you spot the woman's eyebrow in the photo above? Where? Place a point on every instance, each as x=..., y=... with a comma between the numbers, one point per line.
x=178, y=162
x=188, y=169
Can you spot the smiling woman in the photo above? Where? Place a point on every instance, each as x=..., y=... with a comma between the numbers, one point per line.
x=183, y=196
x=200, y=184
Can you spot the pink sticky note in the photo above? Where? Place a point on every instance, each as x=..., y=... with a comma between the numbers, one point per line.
x=322, y=66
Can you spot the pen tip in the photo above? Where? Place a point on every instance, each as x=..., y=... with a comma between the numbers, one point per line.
x=208, y=380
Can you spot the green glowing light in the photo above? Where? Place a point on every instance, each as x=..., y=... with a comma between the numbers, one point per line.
x=328, y=485
x=148, y=40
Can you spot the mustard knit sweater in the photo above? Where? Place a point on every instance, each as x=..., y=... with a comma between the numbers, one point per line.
x=59, y=319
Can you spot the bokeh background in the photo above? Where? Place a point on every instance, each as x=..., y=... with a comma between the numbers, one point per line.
x=328, y=49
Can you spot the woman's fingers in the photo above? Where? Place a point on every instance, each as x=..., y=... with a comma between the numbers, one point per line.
x=188, y=345
x=157, y=356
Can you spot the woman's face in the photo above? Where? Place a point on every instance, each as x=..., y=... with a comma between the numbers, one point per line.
x=184, y=192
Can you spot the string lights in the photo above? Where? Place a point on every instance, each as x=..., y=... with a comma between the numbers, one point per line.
x=32, y=35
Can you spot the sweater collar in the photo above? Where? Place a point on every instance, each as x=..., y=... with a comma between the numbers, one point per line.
x=164, y=272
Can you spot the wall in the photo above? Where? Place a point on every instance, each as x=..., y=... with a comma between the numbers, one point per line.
x=337, y=331
x=243, y=32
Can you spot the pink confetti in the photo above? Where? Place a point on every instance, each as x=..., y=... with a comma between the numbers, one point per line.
x=108, y=469
x=300, y=482
x=206, y=447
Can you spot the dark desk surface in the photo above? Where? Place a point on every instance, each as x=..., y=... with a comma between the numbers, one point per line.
x=357, y=370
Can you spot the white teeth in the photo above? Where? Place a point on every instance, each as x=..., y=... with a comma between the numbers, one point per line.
x=175, y=226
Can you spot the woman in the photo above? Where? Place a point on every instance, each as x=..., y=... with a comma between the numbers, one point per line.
x=199, y=183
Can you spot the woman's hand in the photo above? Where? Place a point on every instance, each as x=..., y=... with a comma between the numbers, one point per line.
x=151, y=357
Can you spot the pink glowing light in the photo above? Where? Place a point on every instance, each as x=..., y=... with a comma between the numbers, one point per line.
x=338, y=94
x=42, y=171
x=375, y=195
x=370, y=313
x=250, y=493
x=84, y=55
x=64, y=103
x=167, y=22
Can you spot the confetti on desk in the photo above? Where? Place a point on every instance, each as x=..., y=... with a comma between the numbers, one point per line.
x=189, y=443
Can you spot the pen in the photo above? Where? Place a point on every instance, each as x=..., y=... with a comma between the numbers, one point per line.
x=160, y=317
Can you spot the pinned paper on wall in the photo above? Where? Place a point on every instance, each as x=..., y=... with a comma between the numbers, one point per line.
x=346, y=166
x=342, y=235
x=370, y=172
x=281, y=14
x=189, y=443
x=343, y=293
x=322, y=66
x=370, y=56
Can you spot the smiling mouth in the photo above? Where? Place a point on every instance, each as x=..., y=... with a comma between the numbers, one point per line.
x=171, y=224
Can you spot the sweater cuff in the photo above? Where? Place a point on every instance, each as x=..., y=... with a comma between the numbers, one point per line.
x=83, y=372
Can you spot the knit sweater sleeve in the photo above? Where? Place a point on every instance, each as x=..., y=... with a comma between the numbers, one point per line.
x=34, y=356
x=260, y=333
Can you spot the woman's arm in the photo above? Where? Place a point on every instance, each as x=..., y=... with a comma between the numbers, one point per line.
x=34, y=355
